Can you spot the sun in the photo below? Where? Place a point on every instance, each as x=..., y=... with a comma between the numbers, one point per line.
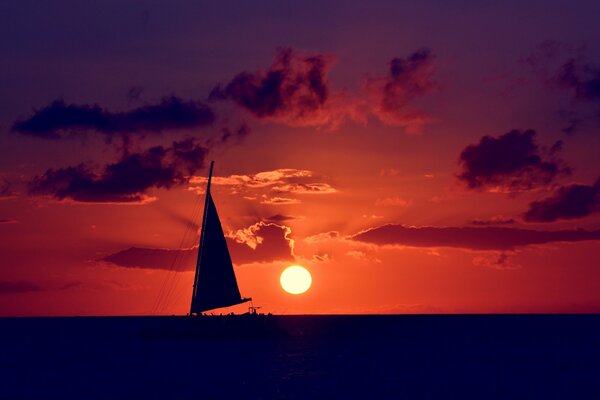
x=295, y=279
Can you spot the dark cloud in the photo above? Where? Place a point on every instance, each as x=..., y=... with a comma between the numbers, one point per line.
x=261, y=242
x=494, y=221
x=126, y=180
x=568, y=202
x=294, y=89
x=485, y=238
x=280, y=218
x=235, y=135
x=565, y=66
x=5, y=188
x=512, y=161
x=18, y=287
x=21, y=286
x=140, y=257
x=172, y=113
x=573, y=121
x=495, y=260
x=581, y=77
x=135, y=93
x=104, y=285
x=408, y=78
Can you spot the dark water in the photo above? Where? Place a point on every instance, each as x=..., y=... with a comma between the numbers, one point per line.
x=322, y=357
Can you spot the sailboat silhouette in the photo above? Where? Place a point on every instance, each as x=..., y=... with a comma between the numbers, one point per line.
x=215, y=285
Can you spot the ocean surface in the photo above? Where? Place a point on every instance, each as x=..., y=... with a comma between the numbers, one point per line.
x=316, y=357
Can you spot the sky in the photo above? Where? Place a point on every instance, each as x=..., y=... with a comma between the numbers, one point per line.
x=415, y=157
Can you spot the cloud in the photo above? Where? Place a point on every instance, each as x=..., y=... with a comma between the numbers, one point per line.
x=322, y=237
x=568, y=202
x=107, y=284
x=228, y=135
x=512, y=161
x=149, y=258
x=171, y=113
x=262, y=242
x=293, y=90
x=21, y=286
x=408, y=78
x=7, y=287
x=581, y=77
x=258, y=180
x=281, y=218
x=279, y=200
x=5, y=189
x=573, y=121
x=135, y=93
x=276, y=186
x=394, y=201
x=499, y=260
x=560, y=65
x=305, y=188
x=372, y=216
x=389, y=172
x=485, y=238
x=363, y=255
x=127, y=180
x=322, y=258
x=496, y=220
x=259, y=243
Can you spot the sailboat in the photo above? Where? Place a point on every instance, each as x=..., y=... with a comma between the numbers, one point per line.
x=215, y=285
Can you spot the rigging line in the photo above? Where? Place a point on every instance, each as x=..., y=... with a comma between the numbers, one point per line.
x=159, y=299
x=169, y=298
x=179, y=296
x=176, y=277
x=173, y=285
x=168, y=280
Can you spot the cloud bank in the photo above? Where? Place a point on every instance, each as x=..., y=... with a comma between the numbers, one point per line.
x=512, y=161
x=485, y=238
x=568, y=202
x=7, y=287
x=259, y=243
x=171, y=113
x=127, y=180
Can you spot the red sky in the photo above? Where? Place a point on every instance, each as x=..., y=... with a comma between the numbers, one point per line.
x=427, y=158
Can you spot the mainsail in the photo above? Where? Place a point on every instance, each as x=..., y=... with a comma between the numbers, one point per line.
x=215, y=285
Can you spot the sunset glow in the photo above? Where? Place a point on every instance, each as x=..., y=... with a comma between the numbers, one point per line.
x=416, y=157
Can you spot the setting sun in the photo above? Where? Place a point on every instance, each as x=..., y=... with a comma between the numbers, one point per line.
x=295, y=279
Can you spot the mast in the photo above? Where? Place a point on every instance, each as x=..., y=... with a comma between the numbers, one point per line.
x=202, y=233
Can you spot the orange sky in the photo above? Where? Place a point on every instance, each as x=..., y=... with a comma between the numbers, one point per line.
x=450, y=169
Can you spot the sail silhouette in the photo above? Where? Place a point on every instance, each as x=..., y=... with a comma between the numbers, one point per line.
x=215, y=285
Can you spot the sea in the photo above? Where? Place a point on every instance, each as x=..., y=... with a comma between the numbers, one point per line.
x=310, y=357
